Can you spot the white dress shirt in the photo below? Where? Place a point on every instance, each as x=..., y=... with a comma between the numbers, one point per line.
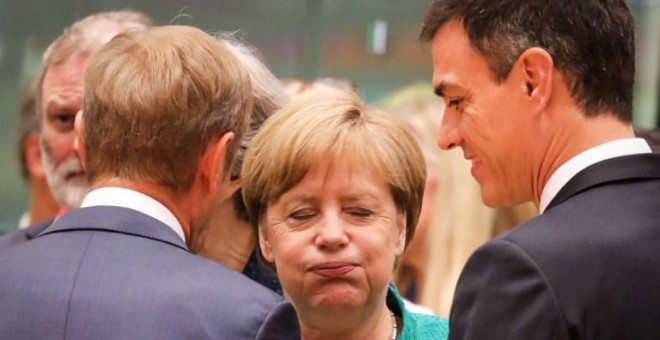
x=617, y=148
x=24, y=222
x=131, y=199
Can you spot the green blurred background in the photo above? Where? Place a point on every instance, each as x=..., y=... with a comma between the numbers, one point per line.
x=304, y=39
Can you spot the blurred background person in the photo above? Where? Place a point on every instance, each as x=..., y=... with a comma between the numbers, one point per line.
x=59, y=98
x=230, y=240
x=42, y=205
x=652, y=136
x=336, y=201
x=294, y=87
x=414, y=106
x=453, y=221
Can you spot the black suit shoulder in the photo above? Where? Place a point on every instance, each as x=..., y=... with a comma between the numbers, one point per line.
x=587, y=268
x=503, y=294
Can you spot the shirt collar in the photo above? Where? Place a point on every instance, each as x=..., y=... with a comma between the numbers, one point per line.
x=131, y=199
x=24, y=222
x=561, y=176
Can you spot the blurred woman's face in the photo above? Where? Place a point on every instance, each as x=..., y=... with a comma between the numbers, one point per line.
x=334, y=237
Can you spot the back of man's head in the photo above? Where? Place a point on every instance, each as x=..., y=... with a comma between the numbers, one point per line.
x=155, y=99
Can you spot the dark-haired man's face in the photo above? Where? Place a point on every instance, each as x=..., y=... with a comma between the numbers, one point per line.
x=484, y=118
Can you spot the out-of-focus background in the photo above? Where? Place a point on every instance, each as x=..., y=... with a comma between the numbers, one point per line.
x=370, y=42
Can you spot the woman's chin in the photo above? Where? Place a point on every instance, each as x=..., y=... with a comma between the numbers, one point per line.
x=339, y=297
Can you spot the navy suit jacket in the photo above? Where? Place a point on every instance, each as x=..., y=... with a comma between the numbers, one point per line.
x=587, y=268
x=115, y=273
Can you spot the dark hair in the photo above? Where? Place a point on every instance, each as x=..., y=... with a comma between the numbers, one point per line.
x=592, y=42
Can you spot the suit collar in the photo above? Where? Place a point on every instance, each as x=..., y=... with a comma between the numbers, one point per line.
x=116, y=219
x=612, y=149
x=135, y=200
x=36, y=229
x=632, y=167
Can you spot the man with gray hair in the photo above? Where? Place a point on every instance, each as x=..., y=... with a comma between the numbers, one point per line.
x=59, y=97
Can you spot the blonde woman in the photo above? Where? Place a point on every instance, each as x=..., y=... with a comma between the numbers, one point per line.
x=335, y=201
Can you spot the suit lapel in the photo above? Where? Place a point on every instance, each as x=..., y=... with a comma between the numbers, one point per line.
x=633, y=167
x=36, y=229
x=116, y=219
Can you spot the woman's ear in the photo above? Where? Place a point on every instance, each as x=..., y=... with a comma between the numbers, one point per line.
x=264, y=244
x=400, y=244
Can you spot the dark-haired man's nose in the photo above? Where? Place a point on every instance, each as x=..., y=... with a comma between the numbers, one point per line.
x=449, y=136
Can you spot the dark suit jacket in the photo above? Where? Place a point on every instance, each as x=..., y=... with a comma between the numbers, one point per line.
x=115, y=273
x=587, y=268
x=20, y=236
x=257, y=273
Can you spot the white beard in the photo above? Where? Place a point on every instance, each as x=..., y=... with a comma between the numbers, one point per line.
x=68, y=191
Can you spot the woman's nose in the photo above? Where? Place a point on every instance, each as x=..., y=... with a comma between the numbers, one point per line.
x=331, y=233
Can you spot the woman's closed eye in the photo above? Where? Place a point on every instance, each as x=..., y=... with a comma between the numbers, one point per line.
x=359, y=212
x=302, y=214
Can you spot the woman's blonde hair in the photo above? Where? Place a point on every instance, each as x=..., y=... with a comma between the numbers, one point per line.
x=332, y=123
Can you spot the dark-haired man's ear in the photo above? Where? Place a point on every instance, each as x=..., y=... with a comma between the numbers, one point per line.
x=536, y=67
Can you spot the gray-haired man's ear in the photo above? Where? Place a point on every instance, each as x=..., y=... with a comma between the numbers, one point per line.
x=78, y=142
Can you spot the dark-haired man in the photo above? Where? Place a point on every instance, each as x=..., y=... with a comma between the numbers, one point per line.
x=539, y=98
